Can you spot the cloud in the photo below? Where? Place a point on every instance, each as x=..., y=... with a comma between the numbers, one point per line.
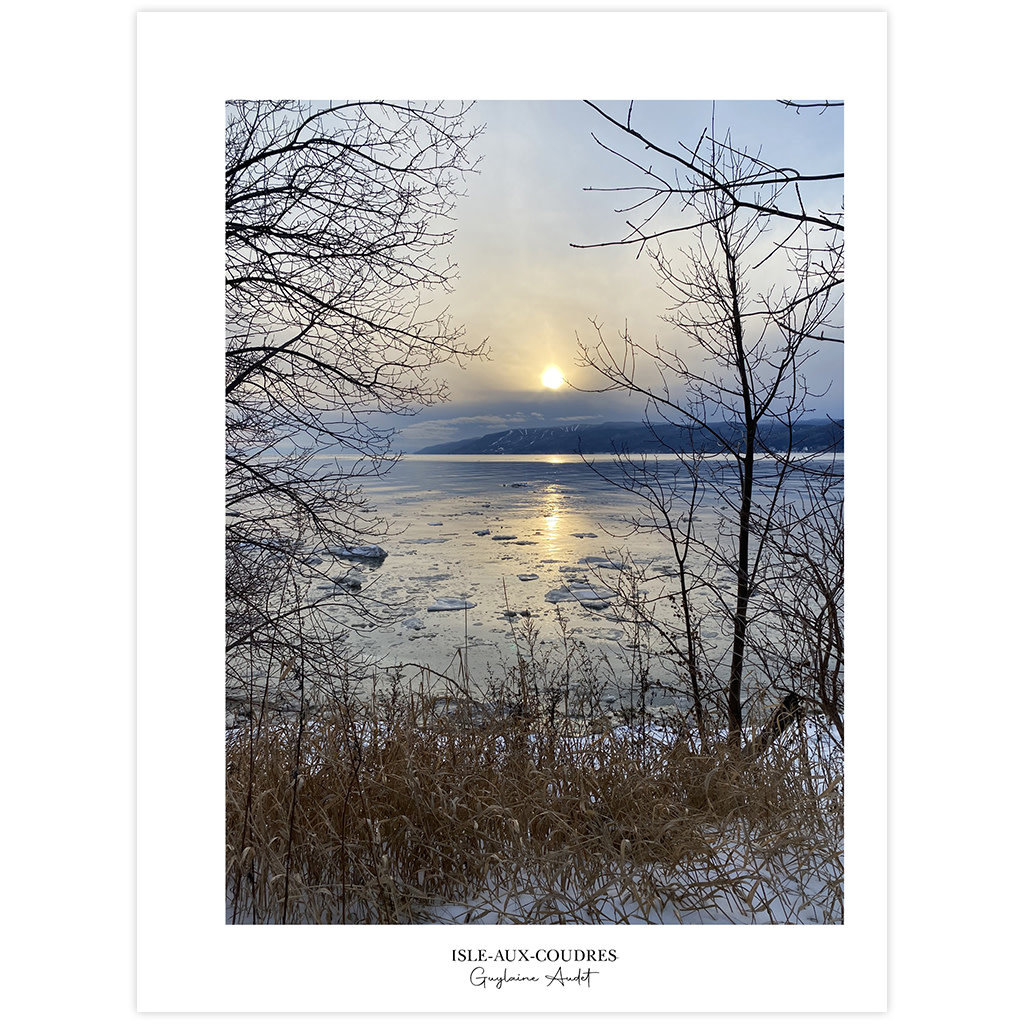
x=540, y=190
x=498, y=421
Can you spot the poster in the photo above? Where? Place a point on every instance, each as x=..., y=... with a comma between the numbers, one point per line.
x=189, y=64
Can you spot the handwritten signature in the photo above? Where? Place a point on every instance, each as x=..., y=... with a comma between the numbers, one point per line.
x=479, y=978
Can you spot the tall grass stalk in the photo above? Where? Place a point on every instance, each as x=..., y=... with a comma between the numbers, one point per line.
x=398, y=806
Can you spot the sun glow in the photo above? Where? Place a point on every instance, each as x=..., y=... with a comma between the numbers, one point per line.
x=552, y=377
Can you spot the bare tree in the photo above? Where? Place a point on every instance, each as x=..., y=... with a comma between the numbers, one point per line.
x=771, y=194
x=337, y=218
x=805, y=593
x=755, y=285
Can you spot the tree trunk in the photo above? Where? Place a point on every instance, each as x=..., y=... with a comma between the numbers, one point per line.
x=784, y=715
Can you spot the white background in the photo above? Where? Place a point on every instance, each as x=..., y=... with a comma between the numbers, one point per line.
x=69, y=178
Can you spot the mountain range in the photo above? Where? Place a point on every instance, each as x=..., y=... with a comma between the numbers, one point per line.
x=639, y=438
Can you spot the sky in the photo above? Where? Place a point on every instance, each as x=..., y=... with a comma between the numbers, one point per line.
x=523, y=287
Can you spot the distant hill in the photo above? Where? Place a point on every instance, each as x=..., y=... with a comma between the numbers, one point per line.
x=636, y=438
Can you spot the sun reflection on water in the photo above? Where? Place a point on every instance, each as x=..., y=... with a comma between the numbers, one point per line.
x=553, y=513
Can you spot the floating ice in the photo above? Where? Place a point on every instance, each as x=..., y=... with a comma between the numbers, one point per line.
x=601, y=562
x=504, y=536
x=482, y=533
x=594, y=598
x=527, y=576
x=427, y=540
x=608, y=635
x=365, y=552
x=450, y=604
x=584, y=534
x=413, y=622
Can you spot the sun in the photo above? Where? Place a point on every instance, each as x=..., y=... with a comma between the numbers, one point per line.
x=552, y=377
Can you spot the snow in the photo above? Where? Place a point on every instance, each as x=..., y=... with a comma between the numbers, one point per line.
x=774, y=888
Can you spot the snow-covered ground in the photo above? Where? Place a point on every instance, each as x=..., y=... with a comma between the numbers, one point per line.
x=746, y=888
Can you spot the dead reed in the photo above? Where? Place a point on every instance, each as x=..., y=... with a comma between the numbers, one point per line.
x=412, y=808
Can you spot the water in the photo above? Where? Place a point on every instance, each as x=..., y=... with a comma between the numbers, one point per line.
x=556, y=528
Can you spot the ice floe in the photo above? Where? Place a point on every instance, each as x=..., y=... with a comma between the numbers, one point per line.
x=364, y=552
x=601, y=562
x=608, y=635
x=450, y=604
x=594, y=598
x=351, y=581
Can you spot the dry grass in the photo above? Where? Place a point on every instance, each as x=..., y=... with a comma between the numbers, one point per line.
x=411, y=811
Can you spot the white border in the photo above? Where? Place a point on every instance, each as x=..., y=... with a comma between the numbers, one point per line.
x=187, y=65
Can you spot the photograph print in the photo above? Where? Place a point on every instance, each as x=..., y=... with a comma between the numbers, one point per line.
x=534, y=525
